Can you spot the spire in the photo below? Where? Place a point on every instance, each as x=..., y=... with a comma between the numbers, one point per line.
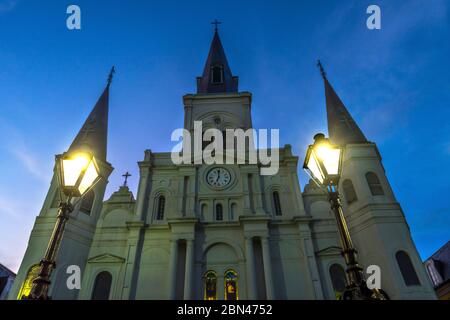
x=217, y=76
x=341, y=126
x=110, y=76
x=94, y=133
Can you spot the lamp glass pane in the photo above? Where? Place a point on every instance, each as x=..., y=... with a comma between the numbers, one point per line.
x=329, y=157
x=72, y=169
x=88, y=178
x=314, y=168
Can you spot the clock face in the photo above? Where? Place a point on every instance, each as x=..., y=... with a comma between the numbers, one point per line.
x=218, y=177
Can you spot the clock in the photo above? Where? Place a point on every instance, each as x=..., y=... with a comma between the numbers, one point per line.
x=218, y=177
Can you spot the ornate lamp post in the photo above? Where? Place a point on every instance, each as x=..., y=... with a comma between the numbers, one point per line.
x=77, y=174
x=323, y=163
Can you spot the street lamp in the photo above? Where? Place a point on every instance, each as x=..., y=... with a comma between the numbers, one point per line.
x=77, y=174
x=323, y=163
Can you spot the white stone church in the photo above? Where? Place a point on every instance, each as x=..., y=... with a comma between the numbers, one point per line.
x=248, y=237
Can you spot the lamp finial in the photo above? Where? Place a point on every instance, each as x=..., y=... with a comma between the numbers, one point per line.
x=318, y=137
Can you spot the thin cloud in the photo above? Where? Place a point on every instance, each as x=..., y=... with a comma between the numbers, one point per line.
x=447, y=149
x=17, y=147
x=29, y=161
x=7, y=5
x=8, y=207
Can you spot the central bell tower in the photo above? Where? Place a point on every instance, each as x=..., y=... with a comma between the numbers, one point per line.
x=218, y=103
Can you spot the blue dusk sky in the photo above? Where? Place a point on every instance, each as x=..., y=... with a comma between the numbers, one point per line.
x=394, y=81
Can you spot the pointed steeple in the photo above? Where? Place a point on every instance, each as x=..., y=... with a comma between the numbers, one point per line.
x=342, y=129
x=217, y=76
x=94, y=132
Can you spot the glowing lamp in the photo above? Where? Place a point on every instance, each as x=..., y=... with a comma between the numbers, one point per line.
x=78, y=173
x=323, y=161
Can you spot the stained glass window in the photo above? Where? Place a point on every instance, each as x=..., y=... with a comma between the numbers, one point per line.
x=210, y=285
x=231, y=285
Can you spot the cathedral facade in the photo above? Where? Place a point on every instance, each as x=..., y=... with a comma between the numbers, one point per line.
x=250, y=236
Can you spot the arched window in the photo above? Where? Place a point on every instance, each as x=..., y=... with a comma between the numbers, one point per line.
x=217, y=74
x=87, y=202
x=210, y=285
x=407, y=269
x=204, y=211
x=207, y=142
x=219, y=212
x=277, y=203
x=233, y=211
x=160, y=208
x=374, y=184
x=224, y=140
x=231, y=285
x=338, y=279
x=32, y=274
x=102, y=286
x=349, y=191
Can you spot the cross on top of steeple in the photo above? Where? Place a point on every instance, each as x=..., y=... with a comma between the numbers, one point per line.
x=216, y=23
x=126, y=175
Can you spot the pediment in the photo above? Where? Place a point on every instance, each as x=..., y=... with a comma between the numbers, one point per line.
x=329, y=251
x=106, y=258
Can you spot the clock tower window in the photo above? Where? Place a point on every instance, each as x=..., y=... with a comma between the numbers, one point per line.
x=219, y=212
x=217, y=74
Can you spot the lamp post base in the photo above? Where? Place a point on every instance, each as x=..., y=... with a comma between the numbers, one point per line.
x=42, y=283
x=40, y=288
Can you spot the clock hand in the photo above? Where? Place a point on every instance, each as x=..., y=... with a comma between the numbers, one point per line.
x=218, y=175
